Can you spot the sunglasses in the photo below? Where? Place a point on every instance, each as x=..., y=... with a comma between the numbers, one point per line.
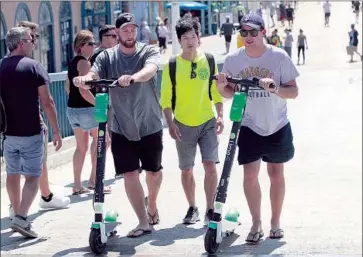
x=253, y=32
x=193, y=74
x=28, y=40
x=35, y=36
x=111, y=35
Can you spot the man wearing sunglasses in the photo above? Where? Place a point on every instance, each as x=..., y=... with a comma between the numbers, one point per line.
x=108, y=38
x=48, y=200
x=25, y=81
x=194, y=121
x=265, y=133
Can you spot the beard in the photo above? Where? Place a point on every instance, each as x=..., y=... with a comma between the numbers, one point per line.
x=128, y=43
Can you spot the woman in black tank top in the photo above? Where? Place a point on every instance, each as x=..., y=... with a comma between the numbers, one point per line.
x=80, y=110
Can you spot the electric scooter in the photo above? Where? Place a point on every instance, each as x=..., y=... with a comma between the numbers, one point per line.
x=102, y=227
x=215, y=231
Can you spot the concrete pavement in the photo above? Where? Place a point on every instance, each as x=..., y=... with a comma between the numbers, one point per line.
x=322, y=210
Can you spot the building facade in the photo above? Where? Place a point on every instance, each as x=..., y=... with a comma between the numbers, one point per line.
x=59, y=21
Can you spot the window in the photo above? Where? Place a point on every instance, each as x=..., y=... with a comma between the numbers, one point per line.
x=46, y=36
x=2, y=36
x=95, y=14
x=22, y=13
x=65, y=26
x=118, y=8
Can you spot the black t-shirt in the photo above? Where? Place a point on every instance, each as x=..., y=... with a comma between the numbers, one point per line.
x=75, y=99
x=289, y=13
x=20, y=79
x=94, y=56
x=356, y=5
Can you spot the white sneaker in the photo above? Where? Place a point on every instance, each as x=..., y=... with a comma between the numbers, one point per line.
x=57, y=202
x=11, y=212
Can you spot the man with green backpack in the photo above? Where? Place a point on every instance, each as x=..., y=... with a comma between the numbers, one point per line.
x=187, y=92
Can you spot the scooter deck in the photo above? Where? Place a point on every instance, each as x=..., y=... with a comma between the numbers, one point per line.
x=230, y=231
x=111, y=226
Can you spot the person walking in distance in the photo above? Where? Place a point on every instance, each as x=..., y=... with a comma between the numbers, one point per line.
x=24, y=80
x=227, y=29
x=137, y=117
x=265, y=132
x=327, y=10
x=302, y=44
x=48, y=199
x=289, y=39
x=194, y=122
x=353, y=42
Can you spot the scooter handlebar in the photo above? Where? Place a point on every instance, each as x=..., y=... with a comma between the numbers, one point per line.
x=255, y=82
x=110, y=83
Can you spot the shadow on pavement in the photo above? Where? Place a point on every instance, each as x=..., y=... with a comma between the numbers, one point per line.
x=265, y=247
x=125, y=245
x=12, y=243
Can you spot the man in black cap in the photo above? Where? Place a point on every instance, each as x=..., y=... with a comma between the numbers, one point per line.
x=137, y=118
x=265, y=132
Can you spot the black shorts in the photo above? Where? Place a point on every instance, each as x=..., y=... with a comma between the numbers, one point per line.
x=127, y=155
x=228, y=38
x=327, y=14
x=275, y=148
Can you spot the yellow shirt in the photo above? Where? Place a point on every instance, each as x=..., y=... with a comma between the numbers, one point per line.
x=193, y=106
x=239, y=41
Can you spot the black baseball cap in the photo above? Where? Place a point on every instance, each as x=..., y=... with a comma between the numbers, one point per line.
x=253, y=20
x=125, y=19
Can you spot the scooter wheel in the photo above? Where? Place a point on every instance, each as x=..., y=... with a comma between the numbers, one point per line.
x=210, y=243
x=95, y=241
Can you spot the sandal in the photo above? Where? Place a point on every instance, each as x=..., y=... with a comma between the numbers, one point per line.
x=153, y=219
x=277, y=233
x=254, y=238
x=106, y=190
x=83, y=190
x=137, y=232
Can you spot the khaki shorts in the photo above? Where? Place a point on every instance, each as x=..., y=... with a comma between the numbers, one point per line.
x=205, y=136
x=45, y=154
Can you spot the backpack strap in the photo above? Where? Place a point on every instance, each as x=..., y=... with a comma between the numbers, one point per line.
x=172, y=71
x=212, y=66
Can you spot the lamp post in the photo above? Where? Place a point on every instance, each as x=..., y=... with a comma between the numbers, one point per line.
x=175, y=16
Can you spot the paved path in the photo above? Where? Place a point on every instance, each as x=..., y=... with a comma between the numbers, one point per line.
x=322, y=211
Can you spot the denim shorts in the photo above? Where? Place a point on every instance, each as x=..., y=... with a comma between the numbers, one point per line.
x=24, y=155
x=83, y=118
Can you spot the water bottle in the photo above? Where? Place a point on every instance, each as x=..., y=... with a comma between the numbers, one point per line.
x=101, y=107
x=238, y=105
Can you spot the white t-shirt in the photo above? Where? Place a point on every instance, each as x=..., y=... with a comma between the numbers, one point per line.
x=265, y=112
x=327, y=7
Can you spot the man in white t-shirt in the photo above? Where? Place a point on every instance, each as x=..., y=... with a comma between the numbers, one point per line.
x=327, y=7
x=265, y=133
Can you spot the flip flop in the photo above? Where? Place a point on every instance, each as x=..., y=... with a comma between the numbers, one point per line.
x=106, y=190
x=254, y=238
x=277, y=233
x=153, y=219
x=136, y=232
x=83, y=190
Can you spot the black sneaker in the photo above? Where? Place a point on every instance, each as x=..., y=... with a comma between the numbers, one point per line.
x=208, y=217
x=192, y=216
